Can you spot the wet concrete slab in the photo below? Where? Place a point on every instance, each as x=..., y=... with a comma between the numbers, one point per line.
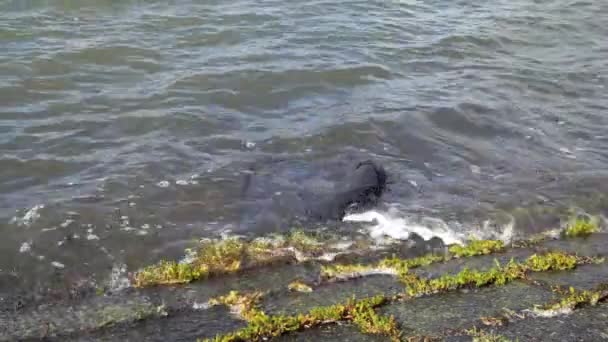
x=139, y=314
x=331, y=333
x=462, y=309
x=188, y=325
x=482, y=263
x=593, y=245
x=584, y=277
x=267, y=279
x=332, y=293
x=588, y=324
x=61, y=319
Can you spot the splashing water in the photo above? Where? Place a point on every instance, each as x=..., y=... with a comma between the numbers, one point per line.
x=387, y=225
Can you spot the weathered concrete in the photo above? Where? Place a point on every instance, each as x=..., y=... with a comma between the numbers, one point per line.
x=588, y=324
x=182, y=313
x=187, y=325
x=433, y=315
x=331, y=333
x=332, y=293
x=585, y=277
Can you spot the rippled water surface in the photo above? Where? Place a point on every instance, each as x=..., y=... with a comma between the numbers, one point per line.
x=128, y=128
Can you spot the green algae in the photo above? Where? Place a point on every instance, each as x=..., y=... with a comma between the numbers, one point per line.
x=576, y=298
x=304, y=242
x=477, y=247
x=244, y=305
x=497, y=275
x=329, y=272
x=217, y=257
x=367, y=319
x=361, y=312
x=113, y=314
x=401, y=266
x=212, y=258
x=392, y=265
x=299, y=286
x=416, y=286
x=581, y=227
x=479, y=335
x=552, y=261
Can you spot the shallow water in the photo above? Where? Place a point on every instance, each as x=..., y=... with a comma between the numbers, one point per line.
x=128, y=129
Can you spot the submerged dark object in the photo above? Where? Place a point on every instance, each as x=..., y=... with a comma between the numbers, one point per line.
x=361, y=190
x=279, y=195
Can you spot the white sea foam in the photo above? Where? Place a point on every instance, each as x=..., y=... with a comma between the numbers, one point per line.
x=118, y=278
x=25, y=247
x=29, y=217
x=389, y=225
x=201, y=306
x=394, y=224
x=92, y=236
x=550, y=313
x=57, y=264
x=163, y=184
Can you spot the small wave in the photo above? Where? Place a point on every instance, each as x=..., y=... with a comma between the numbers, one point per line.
x=387, y=225
x=29, y=217
x=397, y=225
x=118, y=278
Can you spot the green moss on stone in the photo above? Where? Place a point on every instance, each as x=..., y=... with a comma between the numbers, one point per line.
x=348, y=271
x=304, y=242
x=211, y=258
x=577, y=298
x=483, y=336
x=299, y=286
x=361, y=312
x=401, y=266
x=168, y=272
x=498, y=275
x=363, y=315
x=477, y=247
x=581, y=227
x=245, y=305
x=551, y=261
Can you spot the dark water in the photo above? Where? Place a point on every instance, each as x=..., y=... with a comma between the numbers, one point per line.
x=127, y=128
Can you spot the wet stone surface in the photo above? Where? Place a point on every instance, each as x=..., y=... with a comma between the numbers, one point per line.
x=333, y=293
x=587, y=324
x=181, y=312
x=462, y=309
x=270, y=279
x=187, y=325
x=54, y=320
x=585, y=277
x=481, y=263
x=594, y=245
x=330, y=333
